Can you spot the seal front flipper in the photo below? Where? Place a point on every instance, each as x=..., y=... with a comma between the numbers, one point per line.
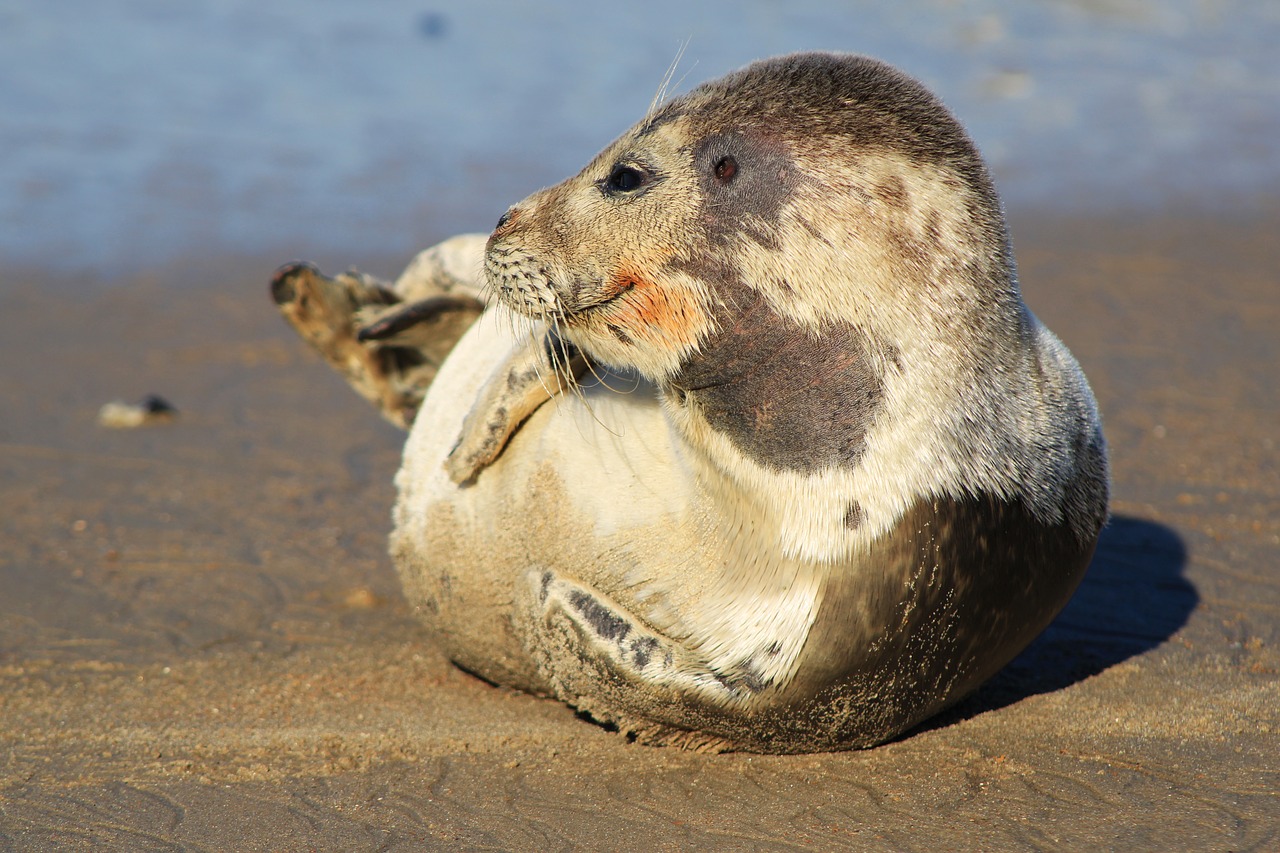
x=530, y=375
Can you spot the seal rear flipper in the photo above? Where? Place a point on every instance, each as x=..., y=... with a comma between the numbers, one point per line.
x=391, y=361
x=405, y=325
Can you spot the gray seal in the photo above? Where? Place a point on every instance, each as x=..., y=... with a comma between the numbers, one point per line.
x=755, y=445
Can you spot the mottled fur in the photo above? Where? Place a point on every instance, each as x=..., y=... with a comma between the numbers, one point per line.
x=853, y=475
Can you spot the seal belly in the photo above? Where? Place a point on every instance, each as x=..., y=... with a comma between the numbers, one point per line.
x=590, y=486
x=596, y=489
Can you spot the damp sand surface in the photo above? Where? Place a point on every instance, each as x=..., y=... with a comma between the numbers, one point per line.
x=203, y=643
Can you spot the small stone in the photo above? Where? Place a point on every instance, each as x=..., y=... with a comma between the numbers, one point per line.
x=151, y=409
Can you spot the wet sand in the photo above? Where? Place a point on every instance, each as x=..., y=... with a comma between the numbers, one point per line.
x=203, y=644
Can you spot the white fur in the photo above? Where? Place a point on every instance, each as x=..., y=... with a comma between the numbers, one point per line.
x=625, y=482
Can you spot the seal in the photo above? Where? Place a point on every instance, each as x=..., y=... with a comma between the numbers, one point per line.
x=755, y=445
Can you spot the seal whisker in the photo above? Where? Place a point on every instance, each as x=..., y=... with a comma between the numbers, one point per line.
x=660, y=97
x=564, y=356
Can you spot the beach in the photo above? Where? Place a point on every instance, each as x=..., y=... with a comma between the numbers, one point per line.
x=203, y=644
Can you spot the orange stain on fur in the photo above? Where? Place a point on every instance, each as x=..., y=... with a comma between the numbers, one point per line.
x=650, y=311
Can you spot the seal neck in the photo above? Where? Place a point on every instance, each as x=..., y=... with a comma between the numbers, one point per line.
x=788, y=397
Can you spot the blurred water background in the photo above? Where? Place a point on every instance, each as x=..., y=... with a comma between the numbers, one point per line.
x=137, y=132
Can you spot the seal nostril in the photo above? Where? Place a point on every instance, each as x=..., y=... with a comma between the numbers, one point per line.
x=282, y=290
x=506, y=219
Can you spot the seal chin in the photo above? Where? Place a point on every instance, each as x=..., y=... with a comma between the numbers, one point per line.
x=608, y=302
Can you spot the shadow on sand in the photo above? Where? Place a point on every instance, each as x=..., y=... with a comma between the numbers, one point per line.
x=1132, y=600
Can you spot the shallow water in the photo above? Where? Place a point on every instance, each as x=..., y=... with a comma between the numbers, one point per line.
x=136, y=132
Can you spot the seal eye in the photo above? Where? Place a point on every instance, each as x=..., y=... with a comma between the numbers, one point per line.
x=726, y=169
x=624, y=179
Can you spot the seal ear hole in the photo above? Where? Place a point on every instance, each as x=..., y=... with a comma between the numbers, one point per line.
x=726, y=169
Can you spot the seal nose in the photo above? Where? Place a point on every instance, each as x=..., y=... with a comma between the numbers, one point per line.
x=282, y=287
x=506, y=221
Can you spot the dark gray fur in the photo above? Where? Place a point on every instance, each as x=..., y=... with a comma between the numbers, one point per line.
x=853, y=102
x=750, y=203
x=788, y=398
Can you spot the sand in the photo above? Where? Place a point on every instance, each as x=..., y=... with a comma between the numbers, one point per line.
x=203, y=644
